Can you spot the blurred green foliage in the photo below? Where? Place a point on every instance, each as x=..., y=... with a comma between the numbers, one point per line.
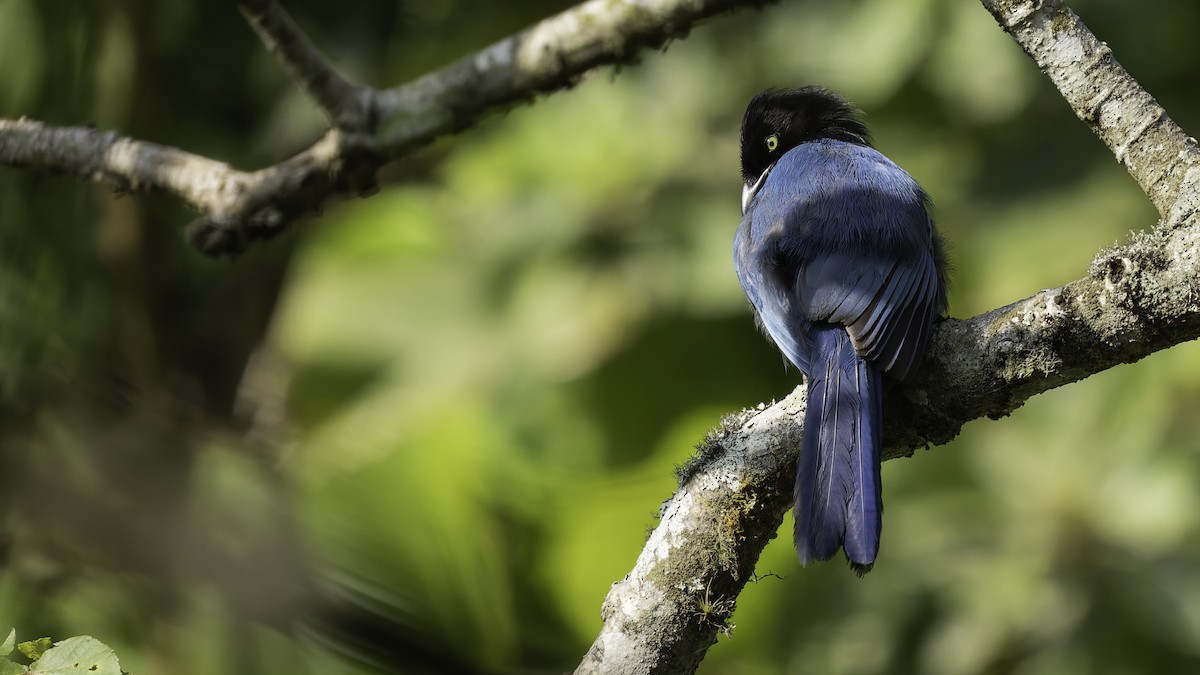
x=428, y=430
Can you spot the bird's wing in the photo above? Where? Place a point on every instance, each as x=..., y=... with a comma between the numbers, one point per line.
x=886, y=303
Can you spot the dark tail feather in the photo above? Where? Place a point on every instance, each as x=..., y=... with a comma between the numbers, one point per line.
x=838, y=502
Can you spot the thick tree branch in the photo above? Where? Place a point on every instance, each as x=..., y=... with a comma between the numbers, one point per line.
x=239, y=206
x=1156, y=152
x=1135, y=300
x=370, y=127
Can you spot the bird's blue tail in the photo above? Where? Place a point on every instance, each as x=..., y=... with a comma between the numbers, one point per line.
x=838, y=502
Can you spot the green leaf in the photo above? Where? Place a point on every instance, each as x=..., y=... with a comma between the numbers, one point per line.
x=83, y=655
x=10, y=668
x=33, y=649
x=10, y=643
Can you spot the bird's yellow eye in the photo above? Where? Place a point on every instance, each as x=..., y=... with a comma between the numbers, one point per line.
x=772, y=143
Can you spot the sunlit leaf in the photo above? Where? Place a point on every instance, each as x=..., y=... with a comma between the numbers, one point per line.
x=83, y=655
x=33, y=649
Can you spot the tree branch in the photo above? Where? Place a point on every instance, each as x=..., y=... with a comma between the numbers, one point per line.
x=123, y=164
x=239, y=206
x=1135, y=300
x=548, y=56
x=346, y=105
x=370, y=127
x=1153, y=148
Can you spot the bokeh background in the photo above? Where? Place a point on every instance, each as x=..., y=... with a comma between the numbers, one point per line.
x=425, y=431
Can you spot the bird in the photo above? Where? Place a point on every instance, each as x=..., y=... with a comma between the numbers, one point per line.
x=845, y=272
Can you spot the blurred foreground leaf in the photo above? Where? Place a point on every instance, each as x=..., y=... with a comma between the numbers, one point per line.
x=83, y=654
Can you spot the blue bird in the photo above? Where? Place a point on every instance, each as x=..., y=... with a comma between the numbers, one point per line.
x=838, y=256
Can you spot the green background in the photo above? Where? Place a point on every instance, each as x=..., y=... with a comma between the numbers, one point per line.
x=424, y=432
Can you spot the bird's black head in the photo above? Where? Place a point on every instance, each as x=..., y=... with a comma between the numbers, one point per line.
x=778, y=120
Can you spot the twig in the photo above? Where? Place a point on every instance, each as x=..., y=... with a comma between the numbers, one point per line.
x=346, y=106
